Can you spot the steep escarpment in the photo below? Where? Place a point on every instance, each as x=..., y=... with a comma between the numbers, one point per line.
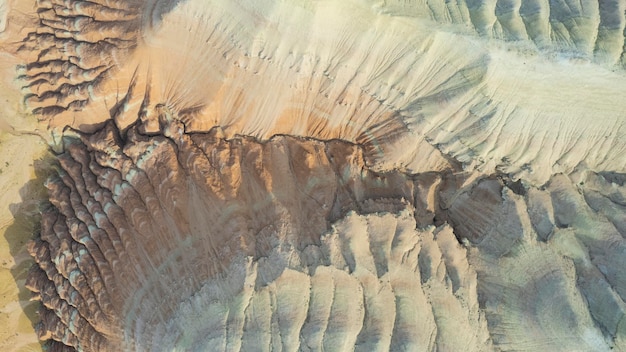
x=187, y=240
x=140, y=225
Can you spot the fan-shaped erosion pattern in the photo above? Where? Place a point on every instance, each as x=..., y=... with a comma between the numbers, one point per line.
x=330, y=175
x=192, y=241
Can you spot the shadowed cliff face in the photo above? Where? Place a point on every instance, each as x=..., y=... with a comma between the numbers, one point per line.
x=331, y=175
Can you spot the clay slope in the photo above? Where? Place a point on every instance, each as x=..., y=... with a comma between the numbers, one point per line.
x=191, y=241
x=138, y=229
x=395, y=77
x=330, y=175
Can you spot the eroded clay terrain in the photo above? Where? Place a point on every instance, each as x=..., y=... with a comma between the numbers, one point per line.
x=324, y=175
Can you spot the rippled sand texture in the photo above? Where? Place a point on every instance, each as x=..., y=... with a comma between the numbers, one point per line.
x=330, y=175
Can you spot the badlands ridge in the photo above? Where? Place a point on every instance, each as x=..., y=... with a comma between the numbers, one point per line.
x=189, y=241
